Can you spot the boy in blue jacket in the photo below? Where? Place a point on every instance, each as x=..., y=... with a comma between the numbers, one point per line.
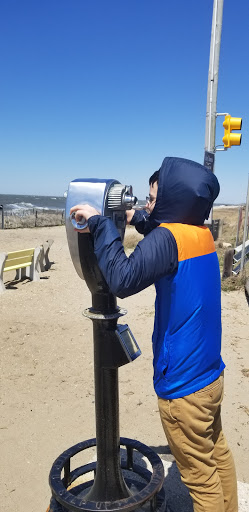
x=178, y=255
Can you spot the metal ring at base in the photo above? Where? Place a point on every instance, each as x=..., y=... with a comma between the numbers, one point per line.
x=70, y=502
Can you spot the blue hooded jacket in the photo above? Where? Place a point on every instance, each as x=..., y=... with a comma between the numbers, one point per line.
x=178, y=255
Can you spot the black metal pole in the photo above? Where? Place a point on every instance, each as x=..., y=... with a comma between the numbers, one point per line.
x=109, y=484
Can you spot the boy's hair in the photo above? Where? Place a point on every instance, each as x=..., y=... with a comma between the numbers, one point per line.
x=154, y=178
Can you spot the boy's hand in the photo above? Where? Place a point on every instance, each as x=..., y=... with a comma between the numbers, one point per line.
x=83, y=210
x=129, y=215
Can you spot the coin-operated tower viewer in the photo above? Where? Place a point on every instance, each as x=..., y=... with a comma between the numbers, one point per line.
x=118, y=484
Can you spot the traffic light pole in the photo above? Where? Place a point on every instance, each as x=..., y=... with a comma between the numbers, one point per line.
x=214, y=57
x=209, y=155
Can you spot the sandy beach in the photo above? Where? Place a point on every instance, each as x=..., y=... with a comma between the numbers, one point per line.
x=47, y=390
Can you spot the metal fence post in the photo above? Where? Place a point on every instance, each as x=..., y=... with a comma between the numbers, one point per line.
x=238, y=226
x=245, y=229
x=1, y=208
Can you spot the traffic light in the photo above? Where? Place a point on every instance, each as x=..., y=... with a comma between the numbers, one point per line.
x=232, y=139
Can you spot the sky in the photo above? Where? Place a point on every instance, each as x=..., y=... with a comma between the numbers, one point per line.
x=108, y=88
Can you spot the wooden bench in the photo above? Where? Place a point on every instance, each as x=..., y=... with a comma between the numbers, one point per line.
x=25, y=262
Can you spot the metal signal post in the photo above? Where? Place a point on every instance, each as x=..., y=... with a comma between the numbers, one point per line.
x=214, y=58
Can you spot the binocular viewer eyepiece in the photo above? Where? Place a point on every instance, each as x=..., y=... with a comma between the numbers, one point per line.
x=110, y=198
x=120, y=197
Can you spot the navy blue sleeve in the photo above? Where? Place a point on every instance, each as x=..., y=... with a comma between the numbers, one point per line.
x=154, y=257
x=141, y=221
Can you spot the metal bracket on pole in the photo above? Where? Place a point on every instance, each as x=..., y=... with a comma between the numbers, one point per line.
x=218, y=148
x=222, y=114
x=220, y=145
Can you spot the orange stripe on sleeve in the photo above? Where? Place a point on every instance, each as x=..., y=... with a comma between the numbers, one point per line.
x=192, y=241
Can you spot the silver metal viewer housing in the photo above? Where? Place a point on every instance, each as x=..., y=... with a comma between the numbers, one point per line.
x=109, y=197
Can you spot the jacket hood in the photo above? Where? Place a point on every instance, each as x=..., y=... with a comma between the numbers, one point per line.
x=186, y=192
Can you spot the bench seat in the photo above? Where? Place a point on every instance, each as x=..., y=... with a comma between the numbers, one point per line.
x=19, y=259
x=25, y=262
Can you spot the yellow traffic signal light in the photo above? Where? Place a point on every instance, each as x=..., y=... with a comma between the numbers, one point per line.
x=232, y=139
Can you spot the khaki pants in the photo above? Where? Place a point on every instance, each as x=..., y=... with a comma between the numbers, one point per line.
x=192, y=425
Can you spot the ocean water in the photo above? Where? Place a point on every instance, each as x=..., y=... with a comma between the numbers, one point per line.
x=19, y=204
